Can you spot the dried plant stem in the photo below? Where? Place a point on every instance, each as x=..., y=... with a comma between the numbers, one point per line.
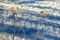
x=37, y=33
x=23, y=31
x=14, y=25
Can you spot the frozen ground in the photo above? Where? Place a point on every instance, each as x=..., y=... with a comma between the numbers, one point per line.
x=30, y=21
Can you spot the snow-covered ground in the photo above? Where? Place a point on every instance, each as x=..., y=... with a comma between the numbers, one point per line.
x=6, y=36
x=29, y=19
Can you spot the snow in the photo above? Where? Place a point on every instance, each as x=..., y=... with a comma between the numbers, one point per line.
x=28, y=18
